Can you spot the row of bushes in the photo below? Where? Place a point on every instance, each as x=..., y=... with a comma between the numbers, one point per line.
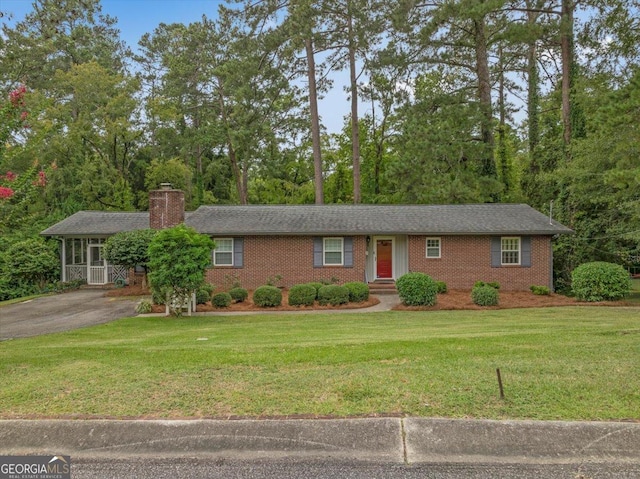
x=307, y=294
x=270, y=296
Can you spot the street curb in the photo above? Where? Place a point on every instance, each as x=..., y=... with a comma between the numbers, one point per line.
x=349, y=439
x=384, y=440
x=486, y=441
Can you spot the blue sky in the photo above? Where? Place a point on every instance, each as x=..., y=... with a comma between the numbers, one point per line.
x=137, y=17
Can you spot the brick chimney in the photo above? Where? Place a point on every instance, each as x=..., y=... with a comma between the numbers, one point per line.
x=166, y=207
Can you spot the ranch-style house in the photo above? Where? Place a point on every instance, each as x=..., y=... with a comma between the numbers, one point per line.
x=457, y=244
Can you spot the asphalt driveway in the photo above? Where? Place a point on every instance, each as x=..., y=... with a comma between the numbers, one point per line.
x=62, y=312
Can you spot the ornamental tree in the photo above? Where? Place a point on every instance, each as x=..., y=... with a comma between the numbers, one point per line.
x=178, y=258
x=130, y=249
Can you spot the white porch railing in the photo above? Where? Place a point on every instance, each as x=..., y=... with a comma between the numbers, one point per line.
x=75, y=272
x=96, y=274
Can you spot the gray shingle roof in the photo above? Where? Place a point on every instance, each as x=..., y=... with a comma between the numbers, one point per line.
x=373, y=219
x=98, y=223
x=325, y=220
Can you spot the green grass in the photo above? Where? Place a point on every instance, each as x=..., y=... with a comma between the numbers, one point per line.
x=578, y=363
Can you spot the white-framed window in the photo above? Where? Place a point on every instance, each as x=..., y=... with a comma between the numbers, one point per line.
x=510, y=250
x=223, y=254
x=333, y=251
x=433, y=248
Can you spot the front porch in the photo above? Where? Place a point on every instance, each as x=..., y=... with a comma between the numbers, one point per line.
x=82, y=259
x=387, y=260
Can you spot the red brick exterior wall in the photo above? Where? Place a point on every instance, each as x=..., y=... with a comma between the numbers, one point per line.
x=467, y=259
x=288, y=256
x=166, y=208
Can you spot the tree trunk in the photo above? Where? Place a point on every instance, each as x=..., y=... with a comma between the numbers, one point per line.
x=533, y=100
x=484, y=98
x=355, y=128
x=566, y=45
x=315, y=121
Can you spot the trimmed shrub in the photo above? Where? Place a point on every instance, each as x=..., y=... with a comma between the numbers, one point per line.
x=267, y=296
x=358, y=292
x=208, y=287
x=441, y=287
x=317, y=286
x=143, y=307
x=203, y=296
x=158, y=296
x=540, y=290
x=600, y=281
x=484, y=295
x=417, y=289
x=333, y=294
x=238, y=294
x=493, y=284
x=221, y=300
x=302, y=295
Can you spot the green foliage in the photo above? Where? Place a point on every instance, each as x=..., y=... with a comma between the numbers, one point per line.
x=417, y=289
x=129, y=248
x=484, y=295
x=599, y=280
x=159, y=296
x=267, y=296
x=302, y=295
x=238, y=294
x=178, y=258
x=358, y=292
x=540, y=290
x=493, y=284
x=333, y=294
x=317, y=287
x=144, y=307
x=221, y=300
x=172, y=171
x=32, y=261
x=441, y=287
x=203, y=296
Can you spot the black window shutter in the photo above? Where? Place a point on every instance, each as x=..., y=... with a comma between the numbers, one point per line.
x=238, y=252
x=348, y=252
x=317, y=252
x=496, y=251
x=525, y=251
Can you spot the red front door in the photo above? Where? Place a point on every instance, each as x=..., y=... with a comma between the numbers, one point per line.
x=384, y=265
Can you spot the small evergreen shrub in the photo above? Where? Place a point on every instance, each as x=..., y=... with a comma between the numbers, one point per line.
x=203, y=296
x=267, y=296
x=302, y=295
x=484, y=295
x=221, y=300
x=441, y=287
x=417, y=289
x=493, y=284
x=238, y=294
x=540, y=290
x=333, y=294
x=598, y=281
x=159, y=296
x=208, y=287
x=317, y=286
x=143, y=307
x=358, y=292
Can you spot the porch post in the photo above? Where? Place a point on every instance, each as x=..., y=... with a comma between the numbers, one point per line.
x=63, y=260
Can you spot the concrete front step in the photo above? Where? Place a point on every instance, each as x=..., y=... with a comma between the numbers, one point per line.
x=383, y=287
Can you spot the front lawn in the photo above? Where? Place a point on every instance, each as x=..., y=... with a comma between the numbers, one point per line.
x=576, y=363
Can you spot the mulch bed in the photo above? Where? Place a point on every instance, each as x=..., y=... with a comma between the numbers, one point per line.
x=452, y=300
